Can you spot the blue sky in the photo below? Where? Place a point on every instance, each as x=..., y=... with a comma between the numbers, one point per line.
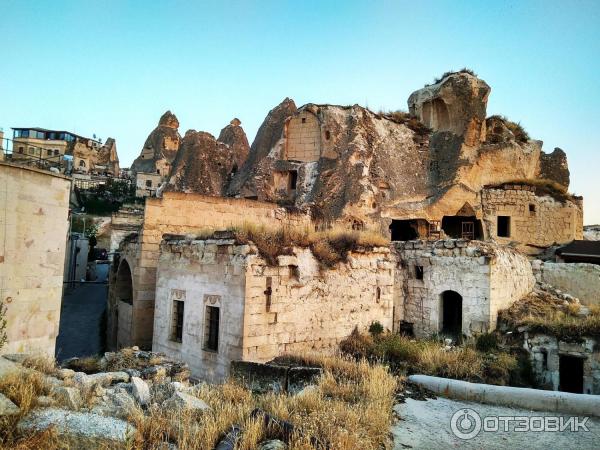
x=113, y=67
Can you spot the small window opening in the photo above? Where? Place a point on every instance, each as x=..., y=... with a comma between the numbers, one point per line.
x=20, y=149
x=211, y=327
x=503, y=226
x=268, y=294
x=327, y=135
x=294, y=272
x=55, y=152
x=531, y=209
x=177, y=331
x=49, y=152
x=544, y=359
x=378, y=293
x=293, y=179
x=81, y=163
x=304, y=120
x=419, y=272
x=158, y=171
x=148, y=183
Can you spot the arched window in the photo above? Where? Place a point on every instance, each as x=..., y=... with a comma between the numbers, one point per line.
x=81, y=163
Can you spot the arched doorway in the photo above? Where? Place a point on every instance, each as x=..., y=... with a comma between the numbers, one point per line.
x=451, y=313
x=124, y=287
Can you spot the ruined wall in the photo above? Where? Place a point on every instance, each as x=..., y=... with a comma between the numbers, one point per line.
x=545, y=352
x=125, y=221
x=580, y=280
x=313, y=308
x=487, y=278
x=265, y=311
x=34, y=207
x=535, y=221
x=303, y=138
x=181, y=213
x=200, y=274
x=146, y=184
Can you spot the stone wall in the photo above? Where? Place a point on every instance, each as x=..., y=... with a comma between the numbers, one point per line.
x=487, y=278
x=125, y=221
x=265, y=311
x=34, y=207
x=580, y=280
x=535, y=221
x=545, y=352
x=303, y=138
x=186, y=214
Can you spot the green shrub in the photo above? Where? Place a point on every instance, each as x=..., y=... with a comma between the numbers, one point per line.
x=375, y=329
x=486, y=342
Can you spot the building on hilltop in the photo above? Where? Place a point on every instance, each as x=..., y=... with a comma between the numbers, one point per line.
x=49, y=147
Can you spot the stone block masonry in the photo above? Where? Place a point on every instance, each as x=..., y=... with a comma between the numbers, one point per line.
x=34, y=206
x=480, y=278
x=580, y=280
x=260, y=311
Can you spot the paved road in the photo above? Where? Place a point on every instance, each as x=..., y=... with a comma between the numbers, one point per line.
x=426, y=425
x=80, y=320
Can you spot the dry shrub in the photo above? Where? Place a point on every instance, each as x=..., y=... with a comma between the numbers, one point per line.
x=545, y=313
x=89, y=365
x=41, y=362
x=405, y=118
x=46, y=440
x=357, y=345
x=542, y=187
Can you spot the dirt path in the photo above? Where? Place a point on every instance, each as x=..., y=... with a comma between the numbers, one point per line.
x=426, y=425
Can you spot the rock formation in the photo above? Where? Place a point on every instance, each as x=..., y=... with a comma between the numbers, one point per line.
x=160, y=147
x=204, y=165
x=352, y=164
x=247, y=178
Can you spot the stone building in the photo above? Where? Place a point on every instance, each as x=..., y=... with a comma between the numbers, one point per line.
x=34, y=209
x=456, y=287
x=439, y=168
x=218, y=301
x=132, y=282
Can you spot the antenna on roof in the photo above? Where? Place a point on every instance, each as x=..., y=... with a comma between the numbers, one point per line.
x=94, y=135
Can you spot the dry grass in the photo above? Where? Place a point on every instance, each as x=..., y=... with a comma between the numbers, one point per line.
x=545, y=313
x=542, y=187
x=429, y=357
x=42, y=363
x=405, y=118
x=515, y=127
x=350, y=408
x=123, y=359
x=329, y=246
x=452, y=72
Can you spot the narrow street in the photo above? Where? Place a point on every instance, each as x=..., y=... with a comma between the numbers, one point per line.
x=80, y=331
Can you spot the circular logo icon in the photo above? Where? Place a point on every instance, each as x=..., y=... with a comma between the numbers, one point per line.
x=465, y=424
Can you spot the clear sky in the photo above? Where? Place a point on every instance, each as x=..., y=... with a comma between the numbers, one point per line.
x=111, y=67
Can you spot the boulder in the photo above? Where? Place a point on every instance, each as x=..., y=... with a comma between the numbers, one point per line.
x=181, y=400
x=68, y=396
x=141, y=391
x=7, y=407
x=63, y=374
x=44, y=401
x=102, y=378
x=79, y=429
x=274, y=444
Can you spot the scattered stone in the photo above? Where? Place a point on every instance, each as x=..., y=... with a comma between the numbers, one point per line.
x=107, y=378
x=274, y=444
x=181, y=400
x=63, y=374
x=141, y=391
x=44, y=401
x=7, y=407
x=68, y=396
x=79, y=430
x=154, y=373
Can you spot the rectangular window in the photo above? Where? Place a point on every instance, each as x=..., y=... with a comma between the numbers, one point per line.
x=268, y=293
x=148, y=183
x=211, y=329
x=293, y=179
x=177, y=331
x=531, y=209
x=20, y=149
x=49, y=152
x=419, y=272
x=503, y=229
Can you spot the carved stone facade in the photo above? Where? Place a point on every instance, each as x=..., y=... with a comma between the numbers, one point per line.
x=262, y=311
x=455, y=286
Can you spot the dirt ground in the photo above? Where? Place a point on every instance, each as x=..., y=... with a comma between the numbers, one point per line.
x=425, y=424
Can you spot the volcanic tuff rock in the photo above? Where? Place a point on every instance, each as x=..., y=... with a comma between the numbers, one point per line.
x=203, y=165
x=271, y=131
x=350, y=162
x=234, y=136
x=554, y=167
x=160, y=147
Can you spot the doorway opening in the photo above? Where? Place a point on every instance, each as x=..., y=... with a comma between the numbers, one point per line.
x=451, y=313
x=124, y=286
x=570, y=374
x=462, y=227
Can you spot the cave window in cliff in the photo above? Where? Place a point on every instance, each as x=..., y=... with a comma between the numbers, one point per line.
x=327, y=135
x=462, y=227
x=304, y=120
x=293, y=180
x=531, y=209
x=404, y=230
x=503, y=226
